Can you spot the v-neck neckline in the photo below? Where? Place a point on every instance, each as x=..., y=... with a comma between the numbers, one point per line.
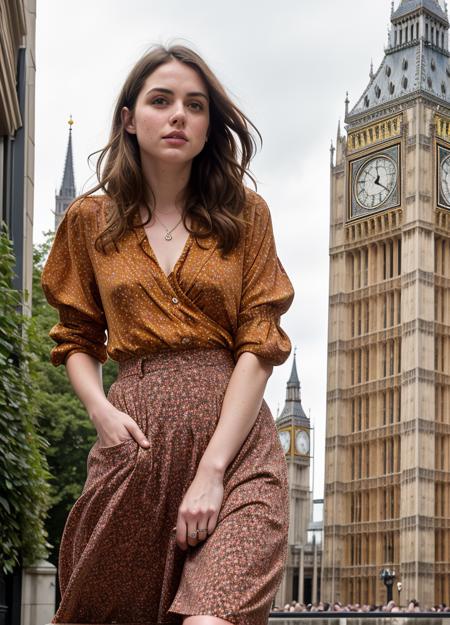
x=144, y=239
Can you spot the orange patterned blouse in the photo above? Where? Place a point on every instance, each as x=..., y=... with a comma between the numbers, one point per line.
x=122, y=304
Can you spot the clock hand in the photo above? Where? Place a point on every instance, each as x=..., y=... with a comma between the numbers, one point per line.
x=382, y=185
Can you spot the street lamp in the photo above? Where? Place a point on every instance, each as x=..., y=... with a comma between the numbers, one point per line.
x=387, y=577
x=399, y=588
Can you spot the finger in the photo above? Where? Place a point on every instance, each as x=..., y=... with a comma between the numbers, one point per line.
x=192, y=532
x=139, y=436
x=202, y=532
x=181, y=533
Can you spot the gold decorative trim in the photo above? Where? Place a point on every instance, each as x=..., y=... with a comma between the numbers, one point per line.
x=442, y=127
x=374, y=134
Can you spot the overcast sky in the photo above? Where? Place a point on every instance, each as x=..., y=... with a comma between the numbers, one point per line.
x=287, y=64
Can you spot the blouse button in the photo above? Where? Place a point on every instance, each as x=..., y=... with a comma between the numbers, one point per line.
x=175, y=300
x=185, y=339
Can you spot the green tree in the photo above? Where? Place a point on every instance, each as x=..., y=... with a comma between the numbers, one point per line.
x=64, y=422
x=24, y=490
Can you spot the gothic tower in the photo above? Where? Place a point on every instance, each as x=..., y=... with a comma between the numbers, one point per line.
x=387, y=474
x=67, y=191
x=294, y=430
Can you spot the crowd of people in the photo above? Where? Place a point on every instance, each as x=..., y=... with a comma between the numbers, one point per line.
x=322, y=606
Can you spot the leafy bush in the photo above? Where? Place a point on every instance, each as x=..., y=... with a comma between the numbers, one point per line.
x=24, y=475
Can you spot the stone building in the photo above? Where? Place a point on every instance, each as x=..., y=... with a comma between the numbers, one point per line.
x=387, y=479
x=301, y=581
x=17, y=80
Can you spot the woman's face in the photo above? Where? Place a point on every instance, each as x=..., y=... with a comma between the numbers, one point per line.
x=171, y=115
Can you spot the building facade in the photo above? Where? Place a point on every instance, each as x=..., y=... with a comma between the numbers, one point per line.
x=301, y=581
x=387, y=475
x=17, y=80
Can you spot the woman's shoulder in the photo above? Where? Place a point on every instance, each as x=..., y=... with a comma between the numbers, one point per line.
x=255, y=207
x=87, y=204
x=90, y=209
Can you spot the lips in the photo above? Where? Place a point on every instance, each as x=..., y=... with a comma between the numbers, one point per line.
x=176, y=135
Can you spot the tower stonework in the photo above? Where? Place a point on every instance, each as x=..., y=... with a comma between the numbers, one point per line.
x=67, y=191
x=387, y=473
x=294, y=430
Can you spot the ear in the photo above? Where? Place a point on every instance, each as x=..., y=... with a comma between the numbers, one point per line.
x=128, y=120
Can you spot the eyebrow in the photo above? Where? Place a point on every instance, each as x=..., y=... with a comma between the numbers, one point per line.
x=170, y=92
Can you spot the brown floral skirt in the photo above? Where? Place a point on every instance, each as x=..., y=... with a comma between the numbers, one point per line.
x=119, y=561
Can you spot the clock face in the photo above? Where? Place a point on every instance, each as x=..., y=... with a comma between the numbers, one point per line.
x=445, y=180
x=285, y=440
x=375, y=182
x=302, y=442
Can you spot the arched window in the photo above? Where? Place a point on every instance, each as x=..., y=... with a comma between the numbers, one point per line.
x=417, y=30
x=412, y=32
x=442, y=39
x=426, y=31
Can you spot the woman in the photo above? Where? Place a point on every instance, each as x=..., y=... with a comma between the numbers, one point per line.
x=184, y=513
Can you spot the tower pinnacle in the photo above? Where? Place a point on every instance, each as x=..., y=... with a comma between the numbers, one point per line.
x=293, y=409
x=67, y=191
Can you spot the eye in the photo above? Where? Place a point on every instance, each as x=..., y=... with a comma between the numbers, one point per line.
x=159, y=100
x=196, y=106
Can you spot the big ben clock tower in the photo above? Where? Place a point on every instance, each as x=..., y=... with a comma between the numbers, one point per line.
x=387, y=474
x=294, y=430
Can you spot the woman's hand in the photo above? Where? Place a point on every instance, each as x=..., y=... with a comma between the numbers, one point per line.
x=200, y=508
x=114, y=426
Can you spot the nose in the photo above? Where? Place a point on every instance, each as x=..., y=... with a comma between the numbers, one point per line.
x=178, y=116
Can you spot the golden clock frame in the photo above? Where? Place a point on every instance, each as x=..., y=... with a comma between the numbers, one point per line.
x=377, y=149
x=288, y=429
x=293, y=432
x=437, y=173
x=441, y=140
x=308, y=431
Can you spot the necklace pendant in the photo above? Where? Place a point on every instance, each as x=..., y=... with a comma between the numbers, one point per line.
x=168, y=236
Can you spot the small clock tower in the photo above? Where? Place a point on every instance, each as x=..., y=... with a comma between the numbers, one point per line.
x=294, y=429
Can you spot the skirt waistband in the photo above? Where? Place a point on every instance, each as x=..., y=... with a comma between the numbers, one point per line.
x=175, y=359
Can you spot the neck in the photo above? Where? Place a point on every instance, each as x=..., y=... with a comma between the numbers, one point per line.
x=168, y=183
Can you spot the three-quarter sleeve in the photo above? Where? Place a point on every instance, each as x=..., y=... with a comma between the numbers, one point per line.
x=69, y=284
x=267, y=292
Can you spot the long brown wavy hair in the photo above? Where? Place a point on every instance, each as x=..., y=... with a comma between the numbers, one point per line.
x=216, y=193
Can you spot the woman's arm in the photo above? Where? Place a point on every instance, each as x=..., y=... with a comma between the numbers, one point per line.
x=112, y=425
x=242, y=401
x=240, y=407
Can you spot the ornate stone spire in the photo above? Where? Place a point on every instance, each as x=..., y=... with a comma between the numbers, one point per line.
x=410, y=6
x=68, y=183
x=293, y=409
x=416, y=61
x=67, y=191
